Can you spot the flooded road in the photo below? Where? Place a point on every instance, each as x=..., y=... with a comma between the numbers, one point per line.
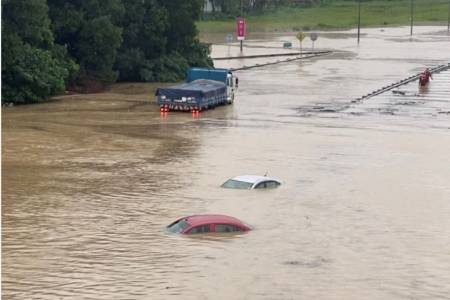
x=90, y=181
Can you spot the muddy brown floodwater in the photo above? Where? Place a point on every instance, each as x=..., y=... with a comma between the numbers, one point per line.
x=90, y=181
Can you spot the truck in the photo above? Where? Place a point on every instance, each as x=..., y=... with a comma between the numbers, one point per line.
x=204, y=88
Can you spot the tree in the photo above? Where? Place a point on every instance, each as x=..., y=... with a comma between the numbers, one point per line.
x=91, y=43
x=33, y=68
x=29, y=20
x=88, y=29
x=182, y=33
x=160, y=40
x=96, y=50
x=29, y=74
x=144, y=23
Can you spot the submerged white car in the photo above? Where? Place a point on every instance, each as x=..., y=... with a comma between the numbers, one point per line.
x=249, y=182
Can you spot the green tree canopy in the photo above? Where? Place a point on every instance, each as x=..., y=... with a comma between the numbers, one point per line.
x=49, y=45
x=144, y=23
x=33, y=68
x=160, y=40
x=89, y=31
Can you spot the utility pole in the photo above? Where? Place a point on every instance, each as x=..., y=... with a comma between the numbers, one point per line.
x=241, y=17
x=448, y=18
x=412, y=16
x=359, y=19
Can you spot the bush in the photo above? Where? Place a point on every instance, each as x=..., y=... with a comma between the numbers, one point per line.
x=29, y=74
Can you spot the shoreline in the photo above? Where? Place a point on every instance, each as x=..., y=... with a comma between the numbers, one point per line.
x=148, y=88
x=336, y=15
x=326, y=29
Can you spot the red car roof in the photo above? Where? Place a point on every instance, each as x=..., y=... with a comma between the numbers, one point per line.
x=196, y=220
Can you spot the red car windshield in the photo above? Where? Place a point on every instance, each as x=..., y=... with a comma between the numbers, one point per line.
x=178, y=226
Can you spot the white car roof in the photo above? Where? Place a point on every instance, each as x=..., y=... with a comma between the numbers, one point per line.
x=254, y=178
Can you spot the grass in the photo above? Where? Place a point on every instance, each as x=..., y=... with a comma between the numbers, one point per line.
x=339, y=14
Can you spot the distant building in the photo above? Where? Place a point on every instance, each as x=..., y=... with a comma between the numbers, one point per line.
x=210, y=6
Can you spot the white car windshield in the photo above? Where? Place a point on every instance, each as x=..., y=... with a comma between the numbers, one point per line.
x=236, y=184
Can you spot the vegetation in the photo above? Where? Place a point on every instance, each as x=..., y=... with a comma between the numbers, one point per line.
x=288, y=15
x=33, y=67
x=52, y=45
x=49, y=46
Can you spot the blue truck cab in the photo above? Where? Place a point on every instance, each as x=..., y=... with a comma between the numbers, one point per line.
x=204, y=88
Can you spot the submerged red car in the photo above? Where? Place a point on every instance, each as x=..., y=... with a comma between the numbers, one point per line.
x=207, y=223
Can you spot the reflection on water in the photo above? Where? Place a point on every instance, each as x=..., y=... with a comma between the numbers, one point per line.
x=90, y=182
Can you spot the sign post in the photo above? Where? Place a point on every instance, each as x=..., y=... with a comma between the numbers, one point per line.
x=300, y=36
x=412, y=16
x=313, y=36
x=229, y=39
x=240, y=30
x=359, y=19
x=448, y=18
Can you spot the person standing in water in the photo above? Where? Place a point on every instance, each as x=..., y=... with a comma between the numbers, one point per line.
x=425, y=77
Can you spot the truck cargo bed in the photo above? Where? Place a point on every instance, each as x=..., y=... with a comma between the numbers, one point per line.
x=196, y=95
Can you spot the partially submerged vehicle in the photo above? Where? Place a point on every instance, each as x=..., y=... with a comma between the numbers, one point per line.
x=287, y=45
x=250, y=182
x=206, y=224
x=204, y=88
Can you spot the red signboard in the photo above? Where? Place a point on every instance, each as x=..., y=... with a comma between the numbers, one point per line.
x=240, y=29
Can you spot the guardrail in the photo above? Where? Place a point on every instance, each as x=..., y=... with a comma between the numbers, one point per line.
x=400, y=83
x=271, y=55
x=280, y=61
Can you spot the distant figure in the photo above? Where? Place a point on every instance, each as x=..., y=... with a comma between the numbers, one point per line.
x=425, y=77
x=237, y=82
x=399, y=92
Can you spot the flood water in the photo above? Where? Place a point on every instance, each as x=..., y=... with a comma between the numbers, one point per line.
x=90, y=181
